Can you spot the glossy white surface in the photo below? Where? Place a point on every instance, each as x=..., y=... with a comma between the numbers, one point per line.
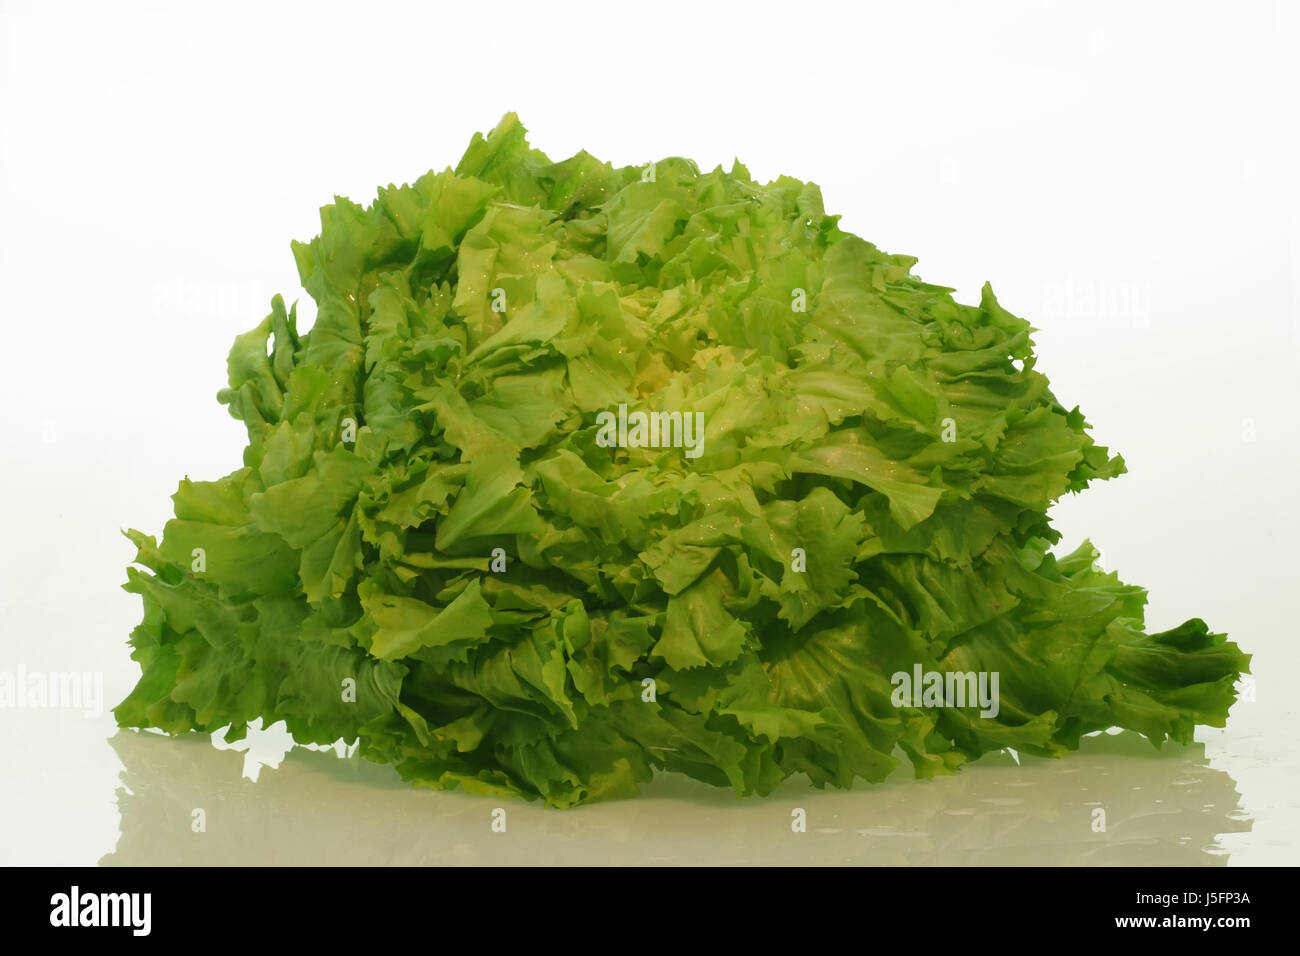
x=318, y=809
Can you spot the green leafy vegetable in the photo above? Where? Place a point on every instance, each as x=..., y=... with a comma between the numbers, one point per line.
x=584, y=472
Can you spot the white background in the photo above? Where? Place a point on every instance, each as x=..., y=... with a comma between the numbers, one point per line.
x=1124, y=174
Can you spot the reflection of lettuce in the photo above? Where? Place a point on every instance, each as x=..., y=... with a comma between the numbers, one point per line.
x=314, y=809
x=871, y=495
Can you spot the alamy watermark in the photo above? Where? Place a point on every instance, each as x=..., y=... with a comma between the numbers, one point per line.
x=53, y=690
x=202, y=300
x=642, y=429
x=923, y=688
x=1088, y=299
x=75, y=908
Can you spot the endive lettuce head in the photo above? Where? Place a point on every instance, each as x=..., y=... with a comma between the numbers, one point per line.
x=583, y=472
